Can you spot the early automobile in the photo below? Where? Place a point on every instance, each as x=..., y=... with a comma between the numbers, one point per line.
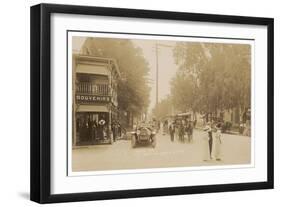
x=144, y=134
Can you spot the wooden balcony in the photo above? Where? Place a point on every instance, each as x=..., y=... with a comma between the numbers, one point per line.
x=85, y=88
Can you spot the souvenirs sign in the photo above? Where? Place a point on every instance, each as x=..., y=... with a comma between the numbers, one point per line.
x=92, y=99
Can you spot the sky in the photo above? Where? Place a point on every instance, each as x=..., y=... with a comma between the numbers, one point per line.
x=166, y=66
x=77, y=43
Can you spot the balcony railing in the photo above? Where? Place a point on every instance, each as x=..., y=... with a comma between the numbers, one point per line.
x=94, y=89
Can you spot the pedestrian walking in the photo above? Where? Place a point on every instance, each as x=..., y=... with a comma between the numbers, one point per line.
x=84, y=128
x=181, y=132
x=91, y=125
x=101, y=125
x=177, y=126
x=172, y=131
x=119, y=129
x=94, y=130
x=189, y=131
x=165, y=127
x=114, y=130
x=211, y=140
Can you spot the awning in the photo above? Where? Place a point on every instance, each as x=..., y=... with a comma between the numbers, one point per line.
x=92, y=108
x=92, y=69
x=184, y=114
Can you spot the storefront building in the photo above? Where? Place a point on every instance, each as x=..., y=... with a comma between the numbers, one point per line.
x=94, y=99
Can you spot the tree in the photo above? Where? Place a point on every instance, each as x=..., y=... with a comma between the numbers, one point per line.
x=217, y=74
x=184, y=92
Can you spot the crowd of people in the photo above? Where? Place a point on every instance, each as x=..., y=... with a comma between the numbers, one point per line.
x=178, y=128
x=182, y=130
x=91, y=130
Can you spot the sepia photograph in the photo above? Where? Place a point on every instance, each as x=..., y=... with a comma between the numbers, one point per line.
x=146, y=102
x=129, y=103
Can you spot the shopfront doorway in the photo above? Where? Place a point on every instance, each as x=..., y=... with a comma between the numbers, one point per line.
x=92, y=128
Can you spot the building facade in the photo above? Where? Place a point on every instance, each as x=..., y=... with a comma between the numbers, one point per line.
x=94, y=90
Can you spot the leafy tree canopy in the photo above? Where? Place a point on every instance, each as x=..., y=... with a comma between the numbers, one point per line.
x=211, y=76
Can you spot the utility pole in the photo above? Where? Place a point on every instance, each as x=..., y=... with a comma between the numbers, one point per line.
x=157, y=71
x=157, y=67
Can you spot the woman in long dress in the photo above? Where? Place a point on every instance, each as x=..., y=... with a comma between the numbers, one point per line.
x=206, y=146
x=217, y=143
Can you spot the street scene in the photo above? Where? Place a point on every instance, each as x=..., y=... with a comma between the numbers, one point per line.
x=140, y=104
x=120, y=155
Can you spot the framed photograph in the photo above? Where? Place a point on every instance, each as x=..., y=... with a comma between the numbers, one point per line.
x=132, y=103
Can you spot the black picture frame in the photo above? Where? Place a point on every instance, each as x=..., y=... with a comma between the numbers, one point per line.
x=41, y=99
